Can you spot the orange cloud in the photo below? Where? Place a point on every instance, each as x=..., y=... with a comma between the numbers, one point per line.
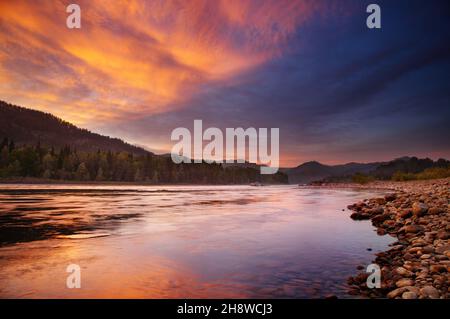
x=133, y=58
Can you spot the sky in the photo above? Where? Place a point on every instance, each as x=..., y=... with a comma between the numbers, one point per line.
x=338, y=91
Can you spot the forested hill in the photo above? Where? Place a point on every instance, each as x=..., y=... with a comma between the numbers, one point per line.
x=28, y=127
x=315, y=171
x=34, y=144
x=400, y=169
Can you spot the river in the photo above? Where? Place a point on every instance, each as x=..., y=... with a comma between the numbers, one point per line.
x=181, y=241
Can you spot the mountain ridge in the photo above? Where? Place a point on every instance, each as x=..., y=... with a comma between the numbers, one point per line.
x=31, y=127
x=28, y=126
x=314, y=171
x=34, y=144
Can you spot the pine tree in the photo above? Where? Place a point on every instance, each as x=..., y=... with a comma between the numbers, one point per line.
x=82, y=173
x=11, y=146
x=100, y=176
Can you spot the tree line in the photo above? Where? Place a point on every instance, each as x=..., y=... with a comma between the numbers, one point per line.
x=69, y=164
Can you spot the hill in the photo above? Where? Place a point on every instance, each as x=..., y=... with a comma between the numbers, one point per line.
x=403, y=168
x=28, y=127
x=38, y=145
x=407, y=165
x=315, y=171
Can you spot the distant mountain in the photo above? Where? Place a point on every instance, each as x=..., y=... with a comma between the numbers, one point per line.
x=245, y=164
x=407, y=165
x=26, y=126
x=314, y=171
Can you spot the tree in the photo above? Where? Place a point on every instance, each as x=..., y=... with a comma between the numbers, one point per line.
x=29, y=161
x=47, y=174
x=100, y=176
x=155, y=178
x=138, y=175
x=82, y=173
x=4, y=143
x=14, y=169
x=11, y=146
x=4, y=156
x=67, y=163
x=48, y=162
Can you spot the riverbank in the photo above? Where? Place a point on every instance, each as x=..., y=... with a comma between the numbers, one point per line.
x=44, y=181
x=417, y=213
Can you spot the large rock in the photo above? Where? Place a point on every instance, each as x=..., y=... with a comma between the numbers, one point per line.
x=403, y=272
x=376, y=210
x=443, y=235
x=436, y=269
x=434, y=211
x=404, y=282
x=419, y=209
x=397, y=292
x=405, y=213
x=409, y=295
x=411, y=229
x=360, y=216
x=380, y=218
x=442, y=249
x=429, y=292
x=428, y=249
x=390, y=197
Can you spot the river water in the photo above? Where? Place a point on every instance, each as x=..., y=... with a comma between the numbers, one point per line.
x=181, y=241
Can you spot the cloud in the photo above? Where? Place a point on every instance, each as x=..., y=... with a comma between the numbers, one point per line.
x=134, y=58
x=346, y=94
x=138, y=69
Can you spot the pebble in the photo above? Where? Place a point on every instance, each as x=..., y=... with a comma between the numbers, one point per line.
x=403, y=272
x=404, y=282
x=397, y=292
x=409, y=295
x=419, y=209
x=418, y=264
x=429, y=292
x=438, y=269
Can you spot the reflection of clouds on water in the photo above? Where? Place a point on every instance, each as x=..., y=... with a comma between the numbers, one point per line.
x=41, y=213
x=22, y=220
x=180, y=241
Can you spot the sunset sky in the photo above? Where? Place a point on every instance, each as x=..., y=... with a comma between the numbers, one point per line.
x=338, y=91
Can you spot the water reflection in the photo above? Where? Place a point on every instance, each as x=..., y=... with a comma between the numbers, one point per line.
x=180, y=241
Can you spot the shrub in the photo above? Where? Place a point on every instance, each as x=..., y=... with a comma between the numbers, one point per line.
x=362, y=178
x=435, y=172
x=401, y=176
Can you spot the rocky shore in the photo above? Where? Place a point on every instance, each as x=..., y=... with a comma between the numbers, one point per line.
x=417, y=214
